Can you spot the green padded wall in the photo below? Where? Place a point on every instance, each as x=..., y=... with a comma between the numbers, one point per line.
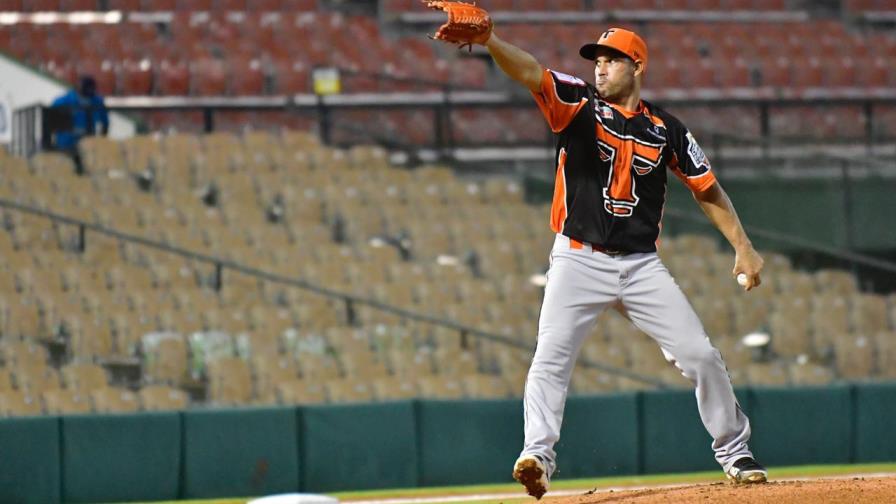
x=599, y=437
x=348, y=447
x=673, y=439
x=819, y=216
x=30, y=461
x=875, y=411
x=240, y=452
x=802, y=426
x=121, y=457
x=673, y=436
x=468, y=442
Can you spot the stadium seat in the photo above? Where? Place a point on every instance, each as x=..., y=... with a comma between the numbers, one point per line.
x=17, y=403
x=84, y=377
x=65, y=402
x=114, y=400
x=162, y=398
x=301, y=392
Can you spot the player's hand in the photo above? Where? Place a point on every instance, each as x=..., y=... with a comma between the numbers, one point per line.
x=748, y=262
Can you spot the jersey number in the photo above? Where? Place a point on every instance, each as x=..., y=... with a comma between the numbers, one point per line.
x=627, y=157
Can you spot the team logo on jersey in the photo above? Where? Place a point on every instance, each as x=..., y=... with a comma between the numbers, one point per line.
x=568, y=79
x=657, y=132
x=604, y=111
x=698, y=157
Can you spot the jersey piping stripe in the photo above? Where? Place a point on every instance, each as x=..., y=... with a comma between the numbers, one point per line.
x=558, y=205
x=696, y=183
x=559, y=113
x=628, y=137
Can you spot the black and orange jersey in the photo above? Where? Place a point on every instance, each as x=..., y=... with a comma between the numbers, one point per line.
x=610, y=183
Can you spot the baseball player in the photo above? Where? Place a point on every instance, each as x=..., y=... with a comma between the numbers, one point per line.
x=614, y=155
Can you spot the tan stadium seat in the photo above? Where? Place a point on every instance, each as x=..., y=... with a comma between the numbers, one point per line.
x=885, y=342
x=318, y=366
x=65, y=402
x=18, y=403
x=451, y=362
x=348, y=391
x=36, y=378
x=854, y=357
x=163, y=398
x=230, y=381
x=869, y=313
x=84, y=377
x=836, y=281
x=440, y=387
x=767, y=374
x=301, y=392
x=164, y=358
x=809, y=373
x=6, y=382
x=363, y=364
x=410, y=364
x=114, y=400
x=391, y=388
x=18, y=353
x=268, y=371
x=485, y=386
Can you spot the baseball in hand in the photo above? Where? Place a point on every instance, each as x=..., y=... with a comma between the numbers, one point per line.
x=742, y=279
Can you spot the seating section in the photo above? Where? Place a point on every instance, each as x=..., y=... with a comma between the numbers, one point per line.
x=74, y=313
x=244, y=53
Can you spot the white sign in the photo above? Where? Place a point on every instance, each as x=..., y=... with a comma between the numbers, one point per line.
x=5, y=121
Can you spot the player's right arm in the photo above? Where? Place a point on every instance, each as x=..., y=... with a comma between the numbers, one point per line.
x=516, y=63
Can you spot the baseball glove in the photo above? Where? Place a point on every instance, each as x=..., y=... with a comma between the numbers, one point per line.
x=467, y=24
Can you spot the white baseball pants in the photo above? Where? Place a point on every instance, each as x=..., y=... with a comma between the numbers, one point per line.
x=581, y=284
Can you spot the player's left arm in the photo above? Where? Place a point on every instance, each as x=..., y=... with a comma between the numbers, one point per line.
x=718, y=208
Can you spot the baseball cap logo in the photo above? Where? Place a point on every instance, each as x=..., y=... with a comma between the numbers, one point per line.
x=607, y=33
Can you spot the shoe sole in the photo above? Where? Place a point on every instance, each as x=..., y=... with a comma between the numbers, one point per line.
x=749, y=477
x=529, y=474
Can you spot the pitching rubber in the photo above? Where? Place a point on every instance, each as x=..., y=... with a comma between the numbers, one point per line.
x=530, y=473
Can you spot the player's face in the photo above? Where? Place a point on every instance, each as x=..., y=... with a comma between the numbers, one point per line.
x=614, y=75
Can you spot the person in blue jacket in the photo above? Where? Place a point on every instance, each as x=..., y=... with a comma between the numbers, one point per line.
x=88, y=111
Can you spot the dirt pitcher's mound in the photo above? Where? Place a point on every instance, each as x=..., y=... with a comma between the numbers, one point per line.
x=865, y=490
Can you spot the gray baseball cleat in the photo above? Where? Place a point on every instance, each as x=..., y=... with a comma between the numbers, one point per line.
x=530, y=471
x=747, y=470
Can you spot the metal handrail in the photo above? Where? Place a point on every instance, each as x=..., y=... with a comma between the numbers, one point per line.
x=350, y=299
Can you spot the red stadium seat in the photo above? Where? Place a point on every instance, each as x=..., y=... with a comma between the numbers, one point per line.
x=172, y=78
x=123, y=5
x=78, y=5
x=230, y=5
x=195, y=5
x=291, y=77
x=103, y=72
x=159, y=5
x=246, y=77
x=208, y=77
x=300, y=5
x=775, y=71
x=135, y=77
x=807, y=73
x=40, y=5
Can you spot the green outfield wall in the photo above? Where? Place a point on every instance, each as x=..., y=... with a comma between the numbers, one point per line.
x=853, y=214
x=258, y=451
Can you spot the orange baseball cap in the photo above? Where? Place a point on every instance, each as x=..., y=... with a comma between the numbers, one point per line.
x=625, y=41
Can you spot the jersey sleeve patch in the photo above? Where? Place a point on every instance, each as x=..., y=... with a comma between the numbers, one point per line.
x=559, y=100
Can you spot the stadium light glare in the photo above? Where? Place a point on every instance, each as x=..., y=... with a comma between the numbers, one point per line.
x=9, y=18
x=756, y=340
x=539, y=280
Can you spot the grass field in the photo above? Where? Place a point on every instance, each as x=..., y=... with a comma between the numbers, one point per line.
x=815, y=471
